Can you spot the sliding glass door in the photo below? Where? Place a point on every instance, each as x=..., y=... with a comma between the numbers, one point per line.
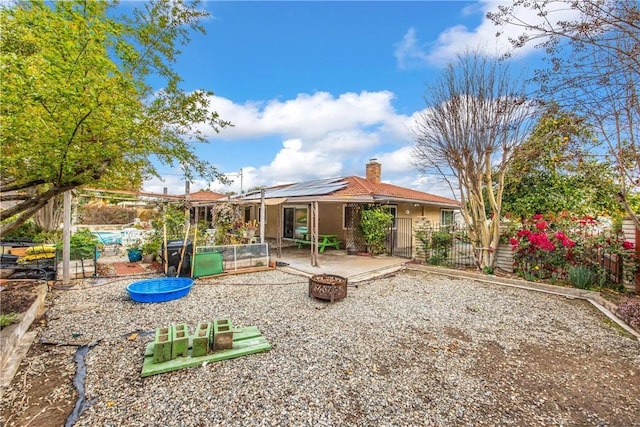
x=295, y=222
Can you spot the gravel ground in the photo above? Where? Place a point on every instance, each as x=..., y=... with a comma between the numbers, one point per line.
x=412, y=349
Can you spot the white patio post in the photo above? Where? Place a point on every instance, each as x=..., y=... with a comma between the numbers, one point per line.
x=262, y=215
x=314, y=223
x=66, y=238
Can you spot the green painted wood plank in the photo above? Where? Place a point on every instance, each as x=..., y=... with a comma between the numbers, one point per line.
x=246, y=341
x=241, y=348
x=248, y=332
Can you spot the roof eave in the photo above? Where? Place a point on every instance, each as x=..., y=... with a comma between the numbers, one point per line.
x=389, y=199
x=343, y=199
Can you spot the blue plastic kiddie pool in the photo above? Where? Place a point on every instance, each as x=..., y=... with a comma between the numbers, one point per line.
x=160, y=289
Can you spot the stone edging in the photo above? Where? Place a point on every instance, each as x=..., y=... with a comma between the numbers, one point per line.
x=12, y=335
x=605, y=306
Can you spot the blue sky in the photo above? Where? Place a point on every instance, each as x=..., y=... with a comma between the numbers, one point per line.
x=316, y=89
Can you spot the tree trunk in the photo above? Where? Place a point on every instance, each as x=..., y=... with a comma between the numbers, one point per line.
x=50, y=215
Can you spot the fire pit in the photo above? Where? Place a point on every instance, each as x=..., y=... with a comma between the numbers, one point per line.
x=328, y=286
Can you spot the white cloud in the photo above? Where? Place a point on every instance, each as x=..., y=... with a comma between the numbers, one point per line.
x=292, y=163
x=398, y=161
x=316, y=129
x=306, y=116
x=322, y=136
x=409, y=53
x=241, y=181
x=434, y=184
x=453, y=41
x=172, y=181
x=347, y=142
x=397, y=169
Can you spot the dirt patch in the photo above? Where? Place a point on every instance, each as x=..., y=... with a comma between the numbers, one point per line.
x=43, y=393
x=579, y=382
x=115, y=269
x=17, y=296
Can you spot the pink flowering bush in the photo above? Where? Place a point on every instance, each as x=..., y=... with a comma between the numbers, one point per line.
x=629, y=311
x=548, y=248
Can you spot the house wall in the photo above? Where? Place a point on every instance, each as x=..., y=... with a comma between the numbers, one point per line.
x=430, y=213
x=271, y=227
x=331, y=217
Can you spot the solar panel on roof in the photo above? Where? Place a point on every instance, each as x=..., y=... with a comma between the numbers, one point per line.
x=317, y=187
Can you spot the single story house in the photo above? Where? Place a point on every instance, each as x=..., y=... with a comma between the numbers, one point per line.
x=331, y=206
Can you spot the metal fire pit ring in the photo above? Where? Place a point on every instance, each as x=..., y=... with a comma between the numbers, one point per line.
x=328, y=287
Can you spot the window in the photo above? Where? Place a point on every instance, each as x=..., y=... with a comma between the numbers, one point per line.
x=247, y=213
x=393, y=210
x=446, y=217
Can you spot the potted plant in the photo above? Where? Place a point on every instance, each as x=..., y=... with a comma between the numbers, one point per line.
x=134, y=252
x=249, y=229
x=150, y=249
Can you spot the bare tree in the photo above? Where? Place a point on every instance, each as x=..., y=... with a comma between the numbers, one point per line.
x=594, y=70
x=476, y=116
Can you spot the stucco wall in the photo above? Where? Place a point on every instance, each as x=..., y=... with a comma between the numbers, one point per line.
x=331, y=217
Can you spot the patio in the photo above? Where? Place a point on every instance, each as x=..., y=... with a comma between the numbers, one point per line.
x=352, y=267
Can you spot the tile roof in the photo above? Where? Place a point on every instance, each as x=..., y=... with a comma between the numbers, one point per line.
x=358, y=186
x=360, y=190
x=351, y=186
x=205, y=195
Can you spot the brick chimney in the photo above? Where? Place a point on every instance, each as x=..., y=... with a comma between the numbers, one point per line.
x=374, y=171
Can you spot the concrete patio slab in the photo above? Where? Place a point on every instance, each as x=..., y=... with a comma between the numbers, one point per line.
x=353, y=267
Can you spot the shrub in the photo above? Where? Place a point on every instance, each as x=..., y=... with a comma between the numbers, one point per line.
x=629, y=311
x=375, y=225
x=436, y=260
x=82, y=245
x=548, y=247
x=441, y=243
x=581, y=277
x=24, y=232
x=100, y=213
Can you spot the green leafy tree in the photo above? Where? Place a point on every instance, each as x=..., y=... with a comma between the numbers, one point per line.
x=174, y=220
x=593, y=69
x=77, y=104
x=554, y=171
